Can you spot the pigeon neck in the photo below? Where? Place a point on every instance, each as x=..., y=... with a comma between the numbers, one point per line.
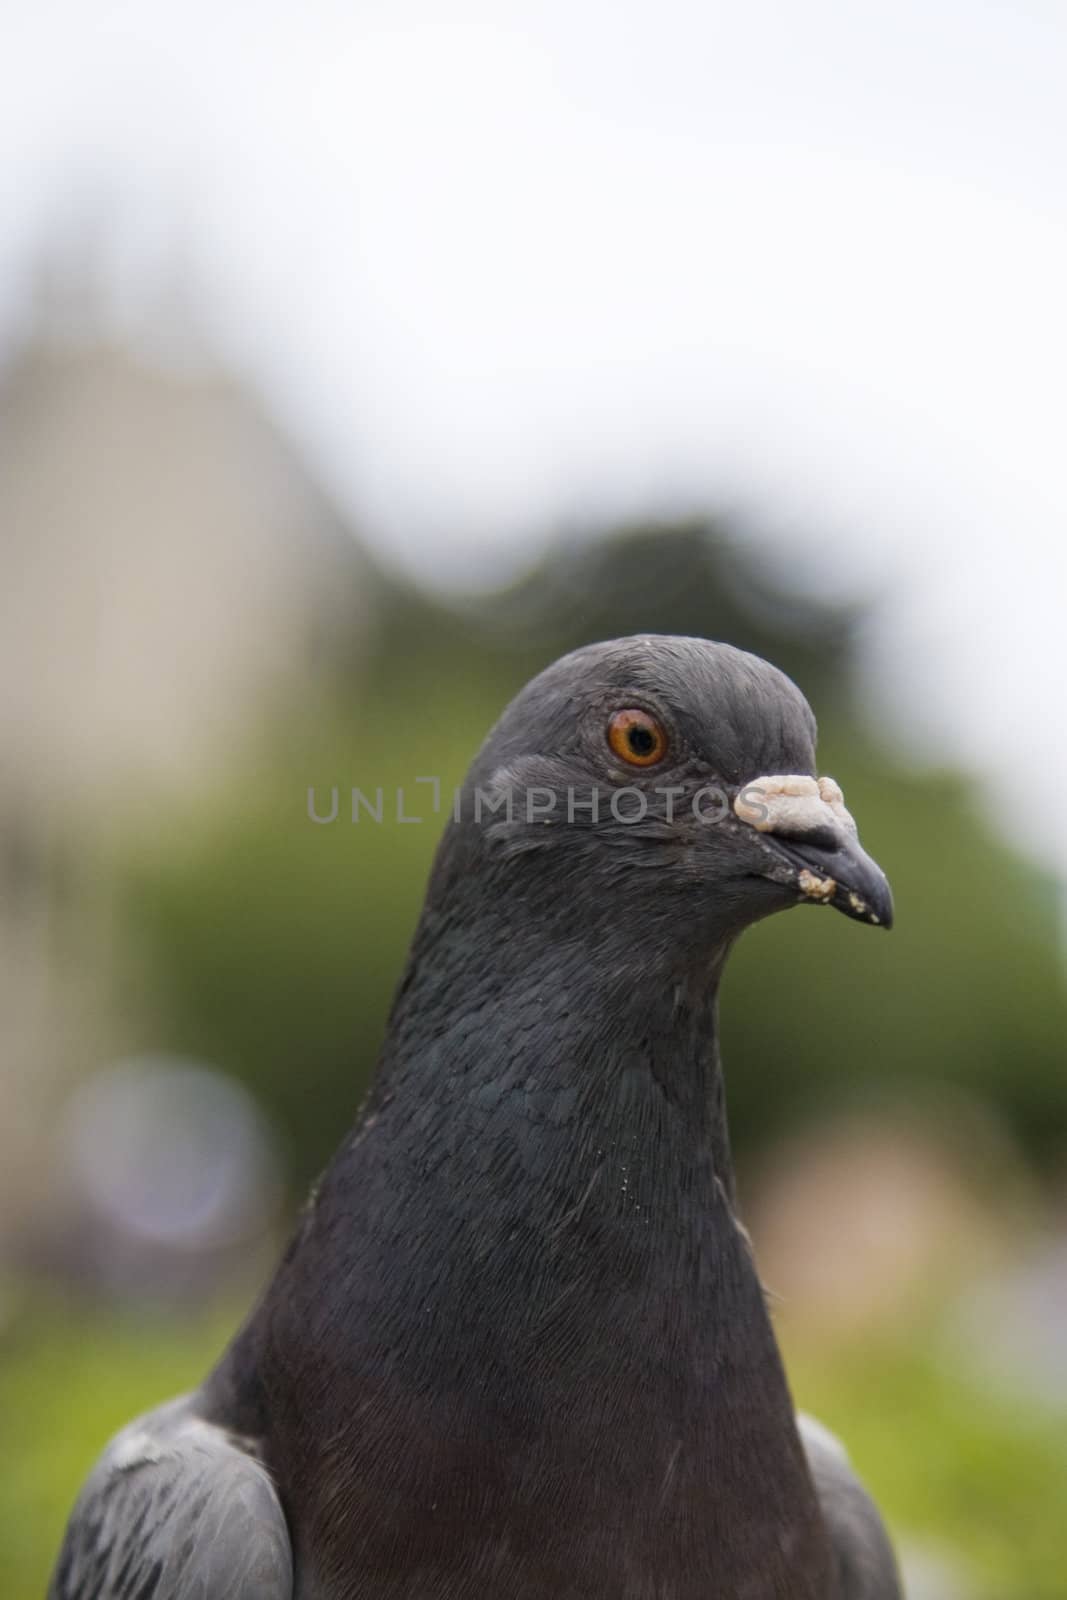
x=528, y=1250
x=581, y=1032
x=569, y=1096
x=558, y=1200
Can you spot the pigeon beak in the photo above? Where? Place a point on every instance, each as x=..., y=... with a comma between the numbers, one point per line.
x=810, y=842
x=837, y=871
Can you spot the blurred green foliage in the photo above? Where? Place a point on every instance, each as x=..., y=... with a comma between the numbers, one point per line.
x=953, y=1464
x=270, y=946
x=71, y=1374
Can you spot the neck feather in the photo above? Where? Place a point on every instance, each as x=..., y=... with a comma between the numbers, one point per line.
x=536, y=1213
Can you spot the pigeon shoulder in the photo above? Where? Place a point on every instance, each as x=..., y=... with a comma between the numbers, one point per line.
x=867, y=1568
x=176, y=1508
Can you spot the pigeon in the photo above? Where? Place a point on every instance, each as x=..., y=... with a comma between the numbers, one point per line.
x=517, y=1346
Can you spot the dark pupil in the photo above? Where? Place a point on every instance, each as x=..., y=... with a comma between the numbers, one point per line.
x=642, y=741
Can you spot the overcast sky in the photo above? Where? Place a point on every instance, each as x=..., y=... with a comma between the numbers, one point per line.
x=500, y=265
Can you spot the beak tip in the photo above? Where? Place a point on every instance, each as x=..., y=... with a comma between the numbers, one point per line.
x=874, y=909
x=851, y=883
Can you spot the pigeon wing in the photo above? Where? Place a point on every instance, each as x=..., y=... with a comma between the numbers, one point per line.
x=866, y=1565
x=175, y=1509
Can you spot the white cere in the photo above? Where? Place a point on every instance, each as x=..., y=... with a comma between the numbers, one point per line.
x=793, y=803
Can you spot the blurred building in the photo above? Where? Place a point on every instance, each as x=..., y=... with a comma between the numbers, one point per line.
x=168, y=569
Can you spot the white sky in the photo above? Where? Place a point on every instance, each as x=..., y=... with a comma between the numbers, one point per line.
x=499, y=264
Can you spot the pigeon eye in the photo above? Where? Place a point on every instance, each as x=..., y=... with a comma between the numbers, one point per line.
x=637, y=737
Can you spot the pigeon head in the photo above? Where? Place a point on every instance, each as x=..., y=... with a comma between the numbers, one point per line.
x=662, y=788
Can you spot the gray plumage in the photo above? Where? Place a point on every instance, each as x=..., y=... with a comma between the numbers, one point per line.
x=518, y=1345
x=175, y=1509
x=866, y=1567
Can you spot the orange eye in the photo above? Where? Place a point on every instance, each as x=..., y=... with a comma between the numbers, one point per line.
x=637, y=737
